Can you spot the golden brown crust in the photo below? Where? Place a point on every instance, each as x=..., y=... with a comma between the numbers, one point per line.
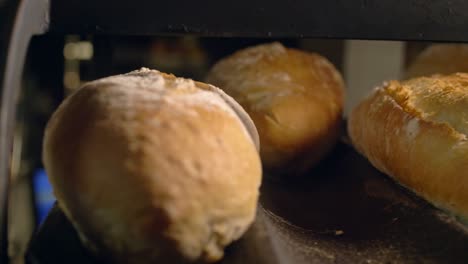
x=295, y=99
x=439, y=59
x=148, y=166
x=415, y=132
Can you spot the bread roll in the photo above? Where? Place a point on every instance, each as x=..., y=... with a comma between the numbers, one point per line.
x=149, y=167
x=439, y=59
x=416, y=132
x=295, y=99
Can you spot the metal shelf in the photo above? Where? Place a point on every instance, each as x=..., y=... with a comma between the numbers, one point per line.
x=344, y=211
x=437, y=20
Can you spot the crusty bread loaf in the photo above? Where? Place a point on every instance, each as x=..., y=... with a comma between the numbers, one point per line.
x=416, y=132
x=439, y=59
x=295, y=99
x=149, y=167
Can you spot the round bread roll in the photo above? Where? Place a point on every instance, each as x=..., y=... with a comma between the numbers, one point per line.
x=439, y=59
x=416, y=132
x=149, y=167
x=295, y=99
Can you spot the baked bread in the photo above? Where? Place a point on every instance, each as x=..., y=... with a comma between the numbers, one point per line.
x=295, y=99
x=149, y=167
x=416, y=132
x=439, y=59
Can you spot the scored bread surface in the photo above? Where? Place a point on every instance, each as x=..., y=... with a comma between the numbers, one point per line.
x=416, y=132
x=295, y=99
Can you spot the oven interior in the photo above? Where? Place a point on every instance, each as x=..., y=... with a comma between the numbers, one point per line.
x=322, y=219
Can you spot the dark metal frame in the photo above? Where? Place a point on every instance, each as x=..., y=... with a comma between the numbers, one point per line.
x=437, y=20
x=30, y=17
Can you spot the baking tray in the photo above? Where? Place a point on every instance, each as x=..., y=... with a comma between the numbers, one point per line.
x=343, y=211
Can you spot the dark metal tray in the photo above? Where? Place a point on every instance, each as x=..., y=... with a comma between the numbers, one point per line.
x=344, y=211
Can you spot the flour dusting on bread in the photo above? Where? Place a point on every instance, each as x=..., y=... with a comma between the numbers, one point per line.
x=412, y=128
